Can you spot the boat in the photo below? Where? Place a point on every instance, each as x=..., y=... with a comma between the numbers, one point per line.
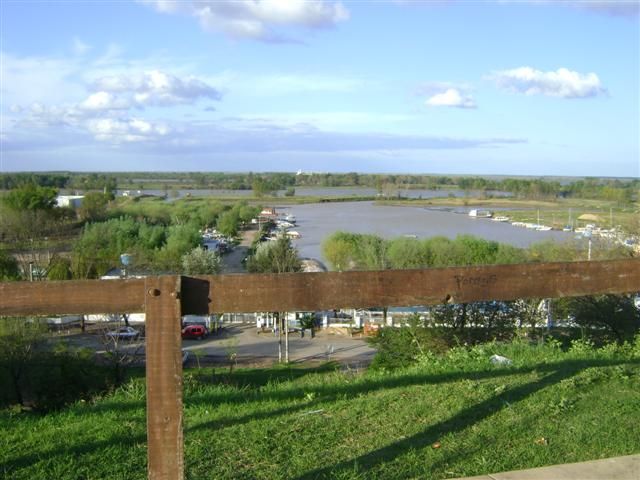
x=284, y=224
x=500, y=218
x=293, y=234
x=518, y=224
x=543, y=228
x=477, y=213
x=567, y=228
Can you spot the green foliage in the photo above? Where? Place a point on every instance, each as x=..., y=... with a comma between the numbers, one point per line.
x=228, y=223
x=59, y=269
x=180, y=240
x=347, y=251
x=261, y=187
x=614, y=313
x=8, y=267
x=405, y=253
x=401, y=347
x=200, y=262
x=31, y=197
x=94, y=206
x=290, y=192
x=9, y=181
x=277, y=256
x=100, y=245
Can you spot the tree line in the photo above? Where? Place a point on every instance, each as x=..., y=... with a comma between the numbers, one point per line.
x=266, y=183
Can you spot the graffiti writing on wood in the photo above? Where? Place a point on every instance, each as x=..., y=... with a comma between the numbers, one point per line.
x=481, y=281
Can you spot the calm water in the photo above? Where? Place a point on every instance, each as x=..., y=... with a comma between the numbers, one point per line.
x=318, y=221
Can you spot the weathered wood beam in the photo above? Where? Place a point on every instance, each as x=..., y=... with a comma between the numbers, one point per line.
x=317, y=291
x=164, y=379
x=72, y=297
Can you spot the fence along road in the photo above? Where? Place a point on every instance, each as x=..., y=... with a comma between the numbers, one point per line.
x=166, y=298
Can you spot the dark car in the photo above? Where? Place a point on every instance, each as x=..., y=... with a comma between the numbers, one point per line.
x=197, y=332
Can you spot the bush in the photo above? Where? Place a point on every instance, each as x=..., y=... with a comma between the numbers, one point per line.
x=400, y=347
x=50, y=380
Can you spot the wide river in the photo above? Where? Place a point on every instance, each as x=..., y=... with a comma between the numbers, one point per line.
x=315, y=222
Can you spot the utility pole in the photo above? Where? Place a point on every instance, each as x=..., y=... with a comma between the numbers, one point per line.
x=279, y=327
x=286, y=337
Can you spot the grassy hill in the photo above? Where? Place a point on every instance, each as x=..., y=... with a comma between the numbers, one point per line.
x=447, y=416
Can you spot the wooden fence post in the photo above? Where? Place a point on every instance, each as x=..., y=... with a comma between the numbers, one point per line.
x=164, y=378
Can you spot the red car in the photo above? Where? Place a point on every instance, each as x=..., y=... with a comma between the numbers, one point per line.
x=197, y=332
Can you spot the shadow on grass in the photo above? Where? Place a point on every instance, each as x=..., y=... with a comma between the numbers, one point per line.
x=462, y=420
x=555, y=372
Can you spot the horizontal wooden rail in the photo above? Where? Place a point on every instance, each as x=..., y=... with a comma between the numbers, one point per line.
x=317, y=291
x=74, y=296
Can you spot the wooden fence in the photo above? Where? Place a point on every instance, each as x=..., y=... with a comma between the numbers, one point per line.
x=165, y=299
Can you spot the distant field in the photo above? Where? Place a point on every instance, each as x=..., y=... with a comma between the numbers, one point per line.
x=448, y=417
x=553, y=213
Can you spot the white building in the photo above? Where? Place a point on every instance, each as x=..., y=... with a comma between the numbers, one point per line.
x=73, y=201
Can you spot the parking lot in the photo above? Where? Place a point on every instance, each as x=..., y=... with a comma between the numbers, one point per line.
x=247, y=347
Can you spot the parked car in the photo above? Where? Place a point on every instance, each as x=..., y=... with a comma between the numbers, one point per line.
x=197, y=332
x=124, y=333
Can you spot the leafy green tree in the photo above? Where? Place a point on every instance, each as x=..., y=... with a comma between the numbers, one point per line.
x=94, y=206
x=228, y=223
x=277, y=256
x=407, y=253
x=31, y=197
x=8, y=267
x=614, y=313
x=19, y=339
x=59, y=269
x=340, y=250
x=200, y=262
x=180, y=240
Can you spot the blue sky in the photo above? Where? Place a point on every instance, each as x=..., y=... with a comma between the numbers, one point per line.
x=452, y=87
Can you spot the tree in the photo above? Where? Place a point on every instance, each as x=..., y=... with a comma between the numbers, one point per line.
x=277, y=256
x=341, y=250
x=94, y=206
x=31, y=197
x=27, y=215
x=8, y=267
x=59, y=269
x=227, y=223
x=18, y=341
x=615, y=313
x=200, y=262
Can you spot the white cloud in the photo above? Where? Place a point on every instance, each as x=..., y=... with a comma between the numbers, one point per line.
x=257, y=19
x=126, y=130
x=156, y=88
x=451, y=97
x=79, y=47
x=104, y=101
x=562, y=83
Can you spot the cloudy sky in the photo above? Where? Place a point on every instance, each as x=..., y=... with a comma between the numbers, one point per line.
x=496, y=87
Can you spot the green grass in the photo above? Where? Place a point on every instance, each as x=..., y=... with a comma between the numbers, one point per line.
x=307, y=423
